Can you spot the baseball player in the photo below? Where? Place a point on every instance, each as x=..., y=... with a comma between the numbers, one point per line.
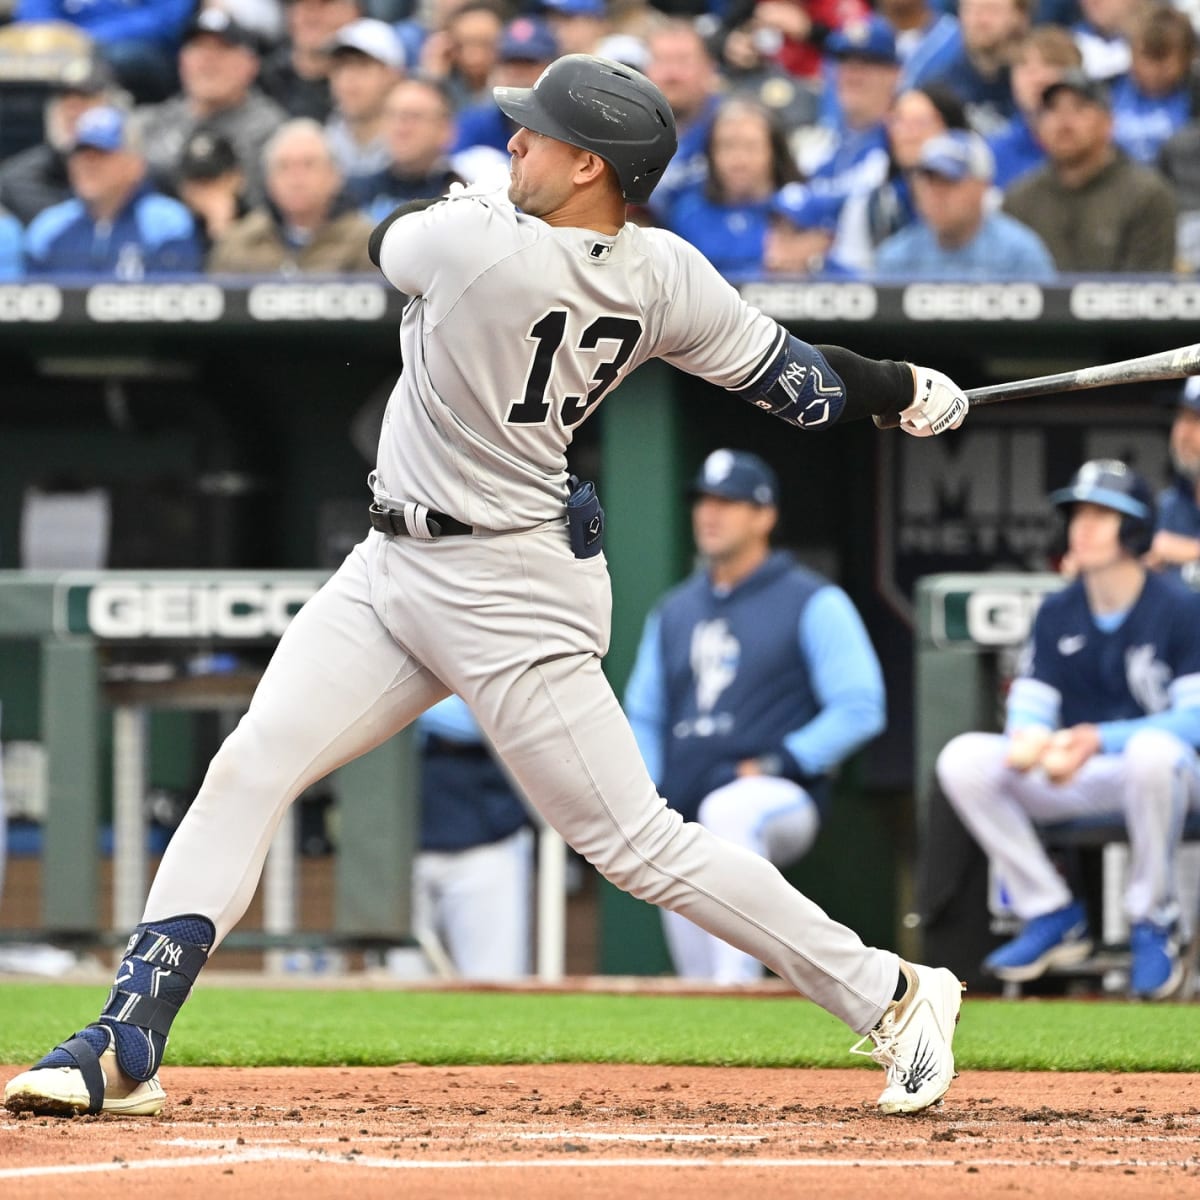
x=1104, y=721
x=484, y=576
x=754, y=679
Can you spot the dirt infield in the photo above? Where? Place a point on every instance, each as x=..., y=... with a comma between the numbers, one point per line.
x=592, y=1131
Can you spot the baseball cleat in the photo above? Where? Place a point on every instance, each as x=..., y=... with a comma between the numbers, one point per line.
x=1057, y=939
x=913, y=1041
x=94, y=1084
x=1156, y=969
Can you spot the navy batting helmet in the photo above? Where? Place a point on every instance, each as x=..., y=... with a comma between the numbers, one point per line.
x=602, y=106
x=1111, y=484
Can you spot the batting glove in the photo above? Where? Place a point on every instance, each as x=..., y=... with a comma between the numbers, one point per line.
x=938, y=404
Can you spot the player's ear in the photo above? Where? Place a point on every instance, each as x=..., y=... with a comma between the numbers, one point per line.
x=590, y=168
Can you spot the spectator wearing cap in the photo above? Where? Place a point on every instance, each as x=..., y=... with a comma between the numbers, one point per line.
x=306, y=225
x=726, y=216
x=115, y=223
x=1095, y=210
x=212, y=184
x=865, y=74
x=418, y=127
x=1155, y=99
x=579, y=25
x=800, y=235
x=527, y=48
x=464, y=52
x=139, y=41
x=955, y=235
x=36, y=178
x=1176, y=545
x=683, y=68
x=754, y=681
x=1039, y=59
x=218, y=65
x=367, y=59
x=296, y=74
x=978, y=72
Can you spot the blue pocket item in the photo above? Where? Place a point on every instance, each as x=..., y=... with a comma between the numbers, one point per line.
x=585, y=519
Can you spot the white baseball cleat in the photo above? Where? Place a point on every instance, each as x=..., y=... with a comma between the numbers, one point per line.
x=63, y=1091
x=913, y=1041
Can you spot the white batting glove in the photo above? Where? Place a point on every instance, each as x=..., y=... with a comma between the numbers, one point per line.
x=938, y=404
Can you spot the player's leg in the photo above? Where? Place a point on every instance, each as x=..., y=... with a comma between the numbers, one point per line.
x=1161, y=781
x=486, y=908
x=773, y=818
x=336, y=686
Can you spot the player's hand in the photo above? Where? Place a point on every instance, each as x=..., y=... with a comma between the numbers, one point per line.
x=1171, y=550
x=1026, y=746
x=938, y=404
x=1068, y=750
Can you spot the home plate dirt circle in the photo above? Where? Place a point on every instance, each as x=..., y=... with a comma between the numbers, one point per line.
x=616, y=1131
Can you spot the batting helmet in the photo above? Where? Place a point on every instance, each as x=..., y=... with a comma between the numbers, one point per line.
x=1111, y=484
x=602, y=106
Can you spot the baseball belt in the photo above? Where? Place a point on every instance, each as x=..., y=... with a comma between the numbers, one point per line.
x=415, y=520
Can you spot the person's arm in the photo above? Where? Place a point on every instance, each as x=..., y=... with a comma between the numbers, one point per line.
x=847, y=681
x=645, y=698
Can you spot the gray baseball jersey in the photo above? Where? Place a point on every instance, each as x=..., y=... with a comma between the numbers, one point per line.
x=478, y=424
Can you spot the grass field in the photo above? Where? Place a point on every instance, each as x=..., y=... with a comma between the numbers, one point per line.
x=236, y=1027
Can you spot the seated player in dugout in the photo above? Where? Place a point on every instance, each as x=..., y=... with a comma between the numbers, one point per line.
x=755, y=679
x=1103, y=720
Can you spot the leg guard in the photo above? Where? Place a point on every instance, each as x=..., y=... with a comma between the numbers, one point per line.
x=155, y=977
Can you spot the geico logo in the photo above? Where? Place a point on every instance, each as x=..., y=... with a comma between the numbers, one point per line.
x=38, y=302
x=820, y=301
x=1000, y=618
x=319, y=302
x=972, y=302
x=223, y=610
x=1114, y=301
x=162, y=302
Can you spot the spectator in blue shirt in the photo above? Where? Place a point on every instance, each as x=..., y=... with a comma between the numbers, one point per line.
x=800, y=235
x=755, y=679
x=10, y=247
x=139, y=41
x=1041, y=58
x=725, y=217
x=956, y=237
x=1154, y=100
x=115, y=224
x=1176, y=545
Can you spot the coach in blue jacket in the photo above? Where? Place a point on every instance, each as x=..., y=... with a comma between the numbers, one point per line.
x=754, y=680
x=115, y=223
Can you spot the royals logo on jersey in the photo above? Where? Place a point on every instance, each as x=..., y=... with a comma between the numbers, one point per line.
x=715, y=654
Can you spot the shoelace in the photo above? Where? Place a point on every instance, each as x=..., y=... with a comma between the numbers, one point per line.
x=883, y=1050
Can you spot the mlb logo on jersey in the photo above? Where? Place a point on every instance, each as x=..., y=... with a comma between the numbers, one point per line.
x=600, y=251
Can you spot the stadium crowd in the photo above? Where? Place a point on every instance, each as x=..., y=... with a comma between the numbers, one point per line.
x=1005, y=139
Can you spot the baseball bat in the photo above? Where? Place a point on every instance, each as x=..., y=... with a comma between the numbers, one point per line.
x=1167, y=364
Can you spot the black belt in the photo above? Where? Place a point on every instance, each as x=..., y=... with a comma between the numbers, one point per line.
x=388, y=520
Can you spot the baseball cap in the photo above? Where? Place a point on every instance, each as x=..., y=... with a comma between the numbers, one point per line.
x=376, y=39
x=871, y=38
x=1189, y=394
x=804, y=209
x=575, y=8
x=207, y=155
x=102, y=128
x=87, y=76
x=957, y=155
x=1082, y=85
x=220, y=24
x=528, y=39
x=736, y=475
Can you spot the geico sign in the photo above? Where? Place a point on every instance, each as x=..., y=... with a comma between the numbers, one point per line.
x=816, y=301
x=1001, y=618
x=317, y=302
x=155, y=302
x=1118, y=301
x=167, y=610
x=37, y=302
x=972, y=302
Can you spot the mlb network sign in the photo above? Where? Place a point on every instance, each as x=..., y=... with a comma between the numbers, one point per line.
x=234, y=610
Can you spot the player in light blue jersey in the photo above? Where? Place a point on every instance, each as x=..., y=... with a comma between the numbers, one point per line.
x=1104, y=720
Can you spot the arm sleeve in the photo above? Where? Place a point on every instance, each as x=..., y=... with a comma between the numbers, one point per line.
x=645, y=698
x=847, y=680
